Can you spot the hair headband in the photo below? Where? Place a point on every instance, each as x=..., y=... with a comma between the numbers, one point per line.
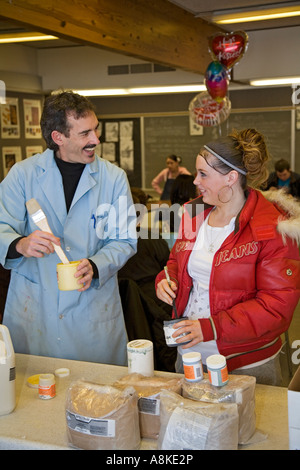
x=243, y=172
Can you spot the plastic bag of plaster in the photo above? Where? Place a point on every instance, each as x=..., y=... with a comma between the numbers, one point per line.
x=240, y=389
x=148, y=390
x=100, y=417
x=193, y=425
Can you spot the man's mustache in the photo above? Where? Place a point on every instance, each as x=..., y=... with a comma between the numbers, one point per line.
x=92, y=146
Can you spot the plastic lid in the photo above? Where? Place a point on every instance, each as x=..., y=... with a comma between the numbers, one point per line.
x=46, y=380
x=216, y=361
x=62, y=372
x=140, y=344
x=191, y=357
x=33, y=381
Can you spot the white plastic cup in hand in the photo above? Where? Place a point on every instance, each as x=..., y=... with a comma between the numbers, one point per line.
x=169, y=331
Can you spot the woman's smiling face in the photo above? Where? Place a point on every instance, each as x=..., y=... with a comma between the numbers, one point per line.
x=208, y=181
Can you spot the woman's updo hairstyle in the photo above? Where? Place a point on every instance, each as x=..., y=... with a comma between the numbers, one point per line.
x=246, y=150
x=175, y=158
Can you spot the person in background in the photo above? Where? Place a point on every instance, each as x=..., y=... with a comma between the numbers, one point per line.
x=167, y=176
x=80, y=194
x=182, y=191
x=4, y=283
x=144, y=313
x=235, y=267
x=284, y=178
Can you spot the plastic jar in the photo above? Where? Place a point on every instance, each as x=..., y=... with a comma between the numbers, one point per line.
x=217, y=370
x=7, y=373
x=46, y=386
x=140, y=357
x=169, y=330
x=192, y=366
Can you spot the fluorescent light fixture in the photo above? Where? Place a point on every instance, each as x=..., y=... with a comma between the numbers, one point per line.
x=142, y=91
x=167, y=89
x=256, y=15
x=275, y=81
x=103, y=92
x=24, y=37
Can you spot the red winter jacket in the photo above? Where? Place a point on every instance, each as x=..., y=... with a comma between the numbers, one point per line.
x=255, y=277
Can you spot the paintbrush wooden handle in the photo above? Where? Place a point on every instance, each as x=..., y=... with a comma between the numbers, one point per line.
x=39, y=218
x=61, y=254
x=44, y=226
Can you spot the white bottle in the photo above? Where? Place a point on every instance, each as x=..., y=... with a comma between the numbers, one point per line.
x=217, y=370
x=7, y=373
x=192, y=366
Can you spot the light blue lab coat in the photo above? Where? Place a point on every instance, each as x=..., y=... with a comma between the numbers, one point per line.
x=89, y=325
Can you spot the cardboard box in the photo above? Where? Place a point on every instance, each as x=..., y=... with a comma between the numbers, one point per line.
x=294, y=411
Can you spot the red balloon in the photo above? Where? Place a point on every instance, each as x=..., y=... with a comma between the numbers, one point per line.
x=206, y=112
x=228, y=48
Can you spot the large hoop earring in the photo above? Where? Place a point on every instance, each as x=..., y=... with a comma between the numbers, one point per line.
x=228, y=200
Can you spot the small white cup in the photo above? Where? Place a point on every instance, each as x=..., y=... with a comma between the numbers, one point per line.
x=169, y=331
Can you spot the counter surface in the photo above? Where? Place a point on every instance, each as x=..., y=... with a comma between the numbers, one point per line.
x=41, y=424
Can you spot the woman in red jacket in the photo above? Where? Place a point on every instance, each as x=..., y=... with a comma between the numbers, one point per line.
x=235, y=266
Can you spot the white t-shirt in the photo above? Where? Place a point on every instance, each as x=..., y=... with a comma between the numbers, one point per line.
x=209, y=240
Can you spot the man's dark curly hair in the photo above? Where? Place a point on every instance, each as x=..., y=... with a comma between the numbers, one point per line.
x=55, y=113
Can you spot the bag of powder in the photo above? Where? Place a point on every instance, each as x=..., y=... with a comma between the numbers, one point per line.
x=193, y=425
x=240, y=389
x=148, y=390
x=100, y=417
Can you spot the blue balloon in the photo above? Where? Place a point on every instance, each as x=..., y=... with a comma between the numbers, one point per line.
x=216, y=80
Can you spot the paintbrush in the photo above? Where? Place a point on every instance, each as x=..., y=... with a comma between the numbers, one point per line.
x=39, y=218
x=169, y=282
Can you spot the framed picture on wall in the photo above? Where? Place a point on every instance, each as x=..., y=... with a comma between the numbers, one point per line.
x=33, y=149
x=10, y=121
x=32, y=117
x=10, y=155
x=195, y=129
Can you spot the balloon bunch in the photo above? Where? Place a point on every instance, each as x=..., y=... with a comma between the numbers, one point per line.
x=212, y=107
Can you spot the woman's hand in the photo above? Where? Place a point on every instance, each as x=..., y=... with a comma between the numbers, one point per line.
x=193, y=328
x=165, y=292
x=84, y=269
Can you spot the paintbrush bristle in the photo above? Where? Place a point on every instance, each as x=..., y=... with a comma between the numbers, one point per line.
x=32, y=206
x=35, y=211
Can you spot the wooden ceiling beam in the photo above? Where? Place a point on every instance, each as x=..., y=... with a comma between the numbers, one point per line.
x=155, y=31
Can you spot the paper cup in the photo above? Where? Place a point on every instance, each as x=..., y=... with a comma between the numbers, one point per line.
x=140, y=357
x=169, y=331
x=65, y=276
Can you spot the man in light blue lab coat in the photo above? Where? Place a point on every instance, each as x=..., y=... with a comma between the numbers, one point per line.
x=88, y=205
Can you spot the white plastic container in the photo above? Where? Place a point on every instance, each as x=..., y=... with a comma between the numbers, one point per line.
x=47, y=387
x=140, y=357
x=217, y=370
x=7, y=372
x=169, y=331
x=192, y=366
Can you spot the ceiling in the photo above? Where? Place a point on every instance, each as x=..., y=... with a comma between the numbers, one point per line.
x=198, y=8
x=203, y=9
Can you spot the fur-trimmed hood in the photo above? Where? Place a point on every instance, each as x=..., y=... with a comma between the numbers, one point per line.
x=289, y=223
